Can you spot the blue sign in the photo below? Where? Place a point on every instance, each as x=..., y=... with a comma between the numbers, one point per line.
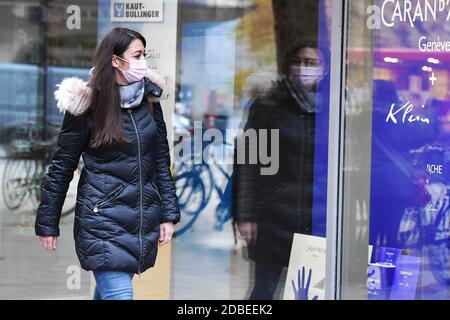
x=410, y=151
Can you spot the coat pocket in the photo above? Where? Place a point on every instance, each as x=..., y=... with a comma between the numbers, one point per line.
x=109, y=197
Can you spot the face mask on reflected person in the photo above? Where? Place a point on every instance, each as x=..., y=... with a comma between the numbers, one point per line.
x=308, y=76
x=136, y=72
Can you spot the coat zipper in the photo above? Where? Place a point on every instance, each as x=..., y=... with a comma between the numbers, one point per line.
x=140, y=187
x=109, y=197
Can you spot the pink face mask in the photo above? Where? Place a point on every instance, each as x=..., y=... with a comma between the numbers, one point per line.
x=308, y=76
x=136, y=72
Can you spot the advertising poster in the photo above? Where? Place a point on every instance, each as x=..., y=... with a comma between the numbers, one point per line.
x=410, y=137
x=306, y=272
x=307, y=269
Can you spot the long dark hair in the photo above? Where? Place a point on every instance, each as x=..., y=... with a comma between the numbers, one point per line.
x=105, y=104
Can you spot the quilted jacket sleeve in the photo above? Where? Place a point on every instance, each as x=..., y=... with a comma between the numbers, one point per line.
x=71, y=141
x=166, y=184
x=247, y=177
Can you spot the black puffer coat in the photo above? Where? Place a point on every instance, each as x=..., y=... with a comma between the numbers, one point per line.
x=125, y=191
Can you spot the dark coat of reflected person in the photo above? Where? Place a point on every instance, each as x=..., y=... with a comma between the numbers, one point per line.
x=269, y=209
x=126, y=198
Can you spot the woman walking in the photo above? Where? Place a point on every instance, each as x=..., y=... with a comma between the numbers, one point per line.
x=126, y=199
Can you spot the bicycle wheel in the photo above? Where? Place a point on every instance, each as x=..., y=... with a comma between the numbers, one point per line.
x=194, y=188
x=70, y=199
x=221, y=159
x=16, y=182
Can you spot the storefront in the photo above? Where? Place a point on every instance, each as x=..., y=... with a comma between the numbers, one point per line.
x=346, y=197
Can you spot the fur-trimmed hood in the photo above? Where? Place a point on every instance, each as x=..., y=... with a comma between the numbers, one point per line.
x=73, y=94
x=261, y=84
x=273, y=90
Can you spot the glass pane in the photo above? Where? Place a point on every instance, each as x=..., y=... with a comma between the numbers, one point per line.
x=37, y=50
x=397, y=111
x=253, y=76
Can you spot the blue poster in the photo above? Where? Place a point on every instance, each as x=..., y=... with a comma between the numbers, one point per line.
x=410, y=142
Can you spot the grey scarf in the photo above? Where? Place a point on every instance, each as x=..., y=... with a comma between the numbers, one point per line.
x=308, y=101
x=131, y=95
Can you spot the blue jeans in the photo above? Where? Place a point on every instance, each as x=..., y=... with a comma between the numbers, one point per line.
x=113, y=285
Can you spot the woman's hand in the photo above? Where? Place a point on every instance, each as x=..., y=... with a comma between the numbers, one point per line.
x=166, y=231
x=248, y=231
x=48, y=243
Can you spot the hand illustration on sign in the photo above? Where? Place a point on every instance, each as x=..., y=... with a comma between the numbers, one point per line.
x=302, y=292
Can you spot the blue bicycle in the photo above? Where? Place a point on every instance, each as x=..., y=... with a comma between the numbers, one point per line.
x=197, y=180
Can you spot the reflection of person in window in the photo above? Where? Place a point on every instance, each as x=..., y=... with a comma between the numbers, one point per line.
x=268, y=210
